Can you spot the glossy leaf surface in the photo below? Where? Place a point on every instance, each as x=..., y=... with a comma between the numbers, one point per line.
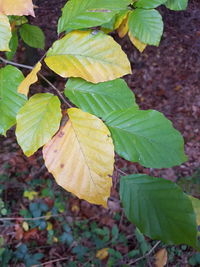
x=10, y=100
x=146, y=137
x=177, y=4
x=149, y=3
x=102, y=98
x=89, y=13
x=81, y=157
x=32, y=36
x=90, y=55
x=146, y=25
x=37, y=122
x=159, y=208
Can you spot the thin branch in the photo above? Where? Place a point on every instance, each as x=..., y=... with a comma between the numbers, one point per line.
x=57, y=260
x=30, y=219
x=146, y=255
x=52, y=261
x=118, y=170
x=15, y=64
x=45, y=79
x=56, y=90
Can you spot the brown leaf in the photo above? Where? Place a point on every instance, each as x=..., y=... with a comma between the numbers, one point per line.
x=32, y=234
x=18, y=232
x=161, y=258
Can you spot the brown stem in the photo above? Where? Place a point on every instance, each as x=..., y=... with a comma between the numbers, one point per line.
x=44, y=78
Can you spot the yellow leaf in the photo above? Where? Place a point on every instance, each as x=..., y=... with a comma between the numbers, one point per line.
x=123, y=27
x=139, y=45
x=102, y=254
x=81, y=157
x=17, y=7
x=91, y=55
x=161, y=258
x=5, y=33
x=120, y=18
x=25, y=226
x=30, y=194
x=75, y=208
x=30, y=79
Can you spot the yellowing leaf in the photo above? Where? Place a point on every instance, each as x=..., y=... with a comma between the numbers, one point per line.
x=102, y=254
x=123, y=27
x=161, y=258
x=30, y=79
x=120, y=18
x=139, y=45
x=81, y=157
x=91, y=55
x=5, y=33
x=37, y=121
x=17, y=7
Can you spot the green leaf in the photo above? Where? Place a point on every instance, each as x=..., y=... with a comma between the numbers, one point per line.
x=159, y=208
x=32, y=36
x=147, y=137
x=149, y=4
x=196, y=207
x=5, y=33
x=12, y=45
x=90, y=55
x=10, y=100
x=146, y=25
x=100, y=99
x=177, y=4
x=38, y=121
x=89, y=13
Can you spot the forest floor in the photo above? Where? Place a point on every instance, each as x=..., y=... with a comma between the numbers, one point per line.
x=69, y=231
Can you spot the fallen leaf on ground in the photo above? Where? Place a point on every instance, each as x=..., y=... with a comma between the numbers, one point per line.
x=102, y=253
x=161, y=258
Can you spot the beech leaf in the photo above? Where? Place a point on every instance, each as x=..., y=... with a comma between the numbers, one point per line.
x=159, y=208
x=10, y=100
x=5, y=33
x=102, y=98
x=81, y=157
x=147, y=137
x=139, y=45
x=38, y=121
x=89, y=13
x=91, y=55
x=30, y=79
x=123, y=27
